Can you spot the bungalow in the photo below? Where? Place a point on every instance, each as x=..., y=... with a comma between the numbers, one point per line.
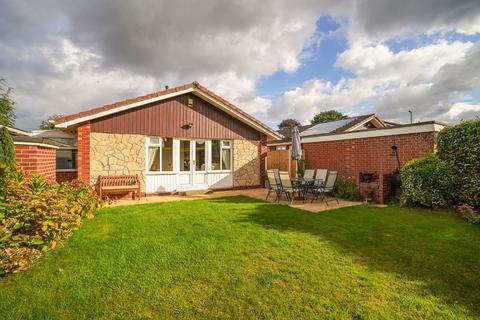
x=183, y=138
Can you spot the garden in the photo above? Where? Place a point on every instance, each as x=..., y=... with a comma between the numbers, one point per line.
x=237, y=257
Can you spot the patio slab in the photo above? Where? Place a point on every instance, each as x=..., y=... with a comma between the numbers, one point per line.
x=258, y=193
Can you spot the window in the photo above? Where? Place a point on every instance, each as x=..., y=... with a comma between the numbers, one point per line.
x=221, y=155
x=160, y=154
x=66, y=159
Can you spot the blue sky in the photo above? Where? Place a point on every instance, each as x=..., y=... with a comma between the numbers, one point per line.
x=319, y=63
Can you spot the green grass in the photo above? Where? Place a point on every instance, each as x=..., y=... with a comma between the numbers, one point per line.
x=243, y=258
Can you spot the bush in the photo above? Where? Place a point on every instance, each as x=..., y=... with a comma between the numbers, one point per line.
x=7, y=149
x=346, y=189
x=36, y=215
x=427, y=181
x=459, y=146
x=469, y=213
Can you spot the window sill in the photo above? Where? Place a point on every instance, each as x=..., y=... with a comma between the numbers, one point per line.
x=66, y=170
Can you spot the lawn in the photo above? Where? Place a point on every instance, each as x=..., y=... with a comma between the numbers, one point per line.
x=243, y=258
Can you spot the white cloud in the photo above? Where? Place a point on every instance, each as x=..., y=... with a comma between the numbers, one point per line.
x=428, y=79
x=461, y=111
x=67, y=56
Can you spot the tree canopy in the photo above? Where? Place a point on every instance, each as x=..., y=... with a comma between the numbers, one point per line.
x=327, y=116
x=288, y=123
x=7, y=112
x=46, y=124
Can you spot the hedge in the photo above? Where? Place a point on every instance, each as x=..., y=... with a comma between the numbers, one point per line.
x=427, y=181
x=459, y=147
x=7, y=149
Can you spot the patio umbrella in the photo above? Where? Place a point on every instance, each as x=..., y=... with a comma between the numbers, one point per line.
x=296, y=144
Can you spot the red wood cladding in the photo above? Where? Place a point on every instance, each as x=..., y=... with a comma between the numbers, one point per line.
x=168, y=118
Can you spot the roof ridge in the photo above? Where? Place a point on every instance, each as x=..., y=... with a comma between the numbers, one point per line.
x=152, y=95
x=122, y=103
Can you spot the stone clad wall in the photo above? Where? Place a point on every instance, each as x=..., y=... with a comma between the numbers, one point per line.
x=116, y=154
x=246, y=163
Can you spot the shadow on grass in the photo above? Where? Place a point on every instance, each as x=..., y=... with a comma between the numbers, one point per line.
x=440, y=251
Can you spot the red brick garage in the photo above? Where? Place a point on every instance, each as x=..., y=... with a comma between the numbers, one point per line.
x=357, y=152
x=35, y=157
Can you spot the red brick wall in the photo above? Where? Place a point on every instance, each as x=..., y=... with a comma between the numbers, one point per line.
x=350, y=157
x=84, y=151
x=36, y=159
x=66, y=176
x=263, y=152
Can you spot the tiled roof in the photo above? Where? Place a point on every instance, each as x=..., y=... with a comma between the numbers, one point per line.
x=287, y=132
x=329, y=127
x=194, y=85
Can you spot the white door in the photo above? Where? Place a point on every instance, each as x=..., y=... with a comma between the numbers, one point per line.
x=193, y=164
x=199, y=163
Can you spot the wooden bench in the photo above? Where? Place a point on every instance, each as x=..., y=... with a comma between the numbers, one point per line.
x=119, y=184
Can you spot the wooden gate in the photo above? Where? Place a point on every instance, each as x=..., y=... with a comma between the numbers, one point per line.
x=280, y=159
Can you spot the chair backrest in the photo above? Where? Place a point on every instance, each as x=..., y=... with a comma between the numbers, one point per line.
x=120, y=180
x=309, y=174
x=272, y=178
x=331, y=179
x=321, y=174
x=277, y=175
x=285, y=179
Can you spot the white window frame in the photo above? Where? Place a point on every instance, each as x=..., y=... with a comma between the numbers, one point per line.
x=159, y=145
x=222, y=146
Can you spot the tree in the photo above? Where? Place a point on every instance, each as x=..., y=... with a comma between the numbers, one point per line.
x=7, y=149
x=7, y=112
x=327, y=116
x=288, y=124
x=47, y=125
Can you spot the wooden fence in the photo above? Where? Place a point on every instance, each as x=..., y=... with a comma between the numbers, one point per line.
x=280, y=159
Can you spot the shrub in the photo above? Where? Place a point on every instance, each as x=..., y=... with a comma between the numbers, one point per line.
x=36, y=215
x=459, y=146
x=7, y=149
x=427, y=181
x=346, y=189
x=468, y=213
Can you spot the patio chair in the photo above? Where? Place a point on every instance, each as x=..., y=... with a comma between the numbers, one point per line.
x=319, y=182
x=273, y=184
x=309, y=174
x=287, y=187
x=321, y=174
x=326, y=189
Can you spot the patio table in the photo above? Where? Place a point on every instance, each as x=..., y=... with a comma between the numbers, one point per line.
x=303, y=184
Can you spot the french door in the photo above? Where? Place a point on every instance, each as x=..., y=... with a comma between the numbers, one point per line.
x=193, y=164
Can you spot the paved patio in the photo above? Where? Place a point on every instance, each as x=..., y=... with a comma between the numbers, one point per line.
x=259, y=193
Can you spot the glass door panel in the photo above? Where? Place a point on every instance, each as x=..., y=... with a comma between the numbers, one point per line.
x=200, y=156
x=184, y=155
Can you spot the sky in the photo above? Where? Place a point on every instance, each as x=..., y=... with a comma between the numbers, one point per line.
x=275, y=59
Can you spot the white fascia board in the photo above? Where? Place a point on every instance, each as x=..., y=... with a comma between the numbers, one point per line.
x=17, y=131
x=234, y=113
x=389, y=131
x=123, y=108
x=43, y=145
x=427, y=127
